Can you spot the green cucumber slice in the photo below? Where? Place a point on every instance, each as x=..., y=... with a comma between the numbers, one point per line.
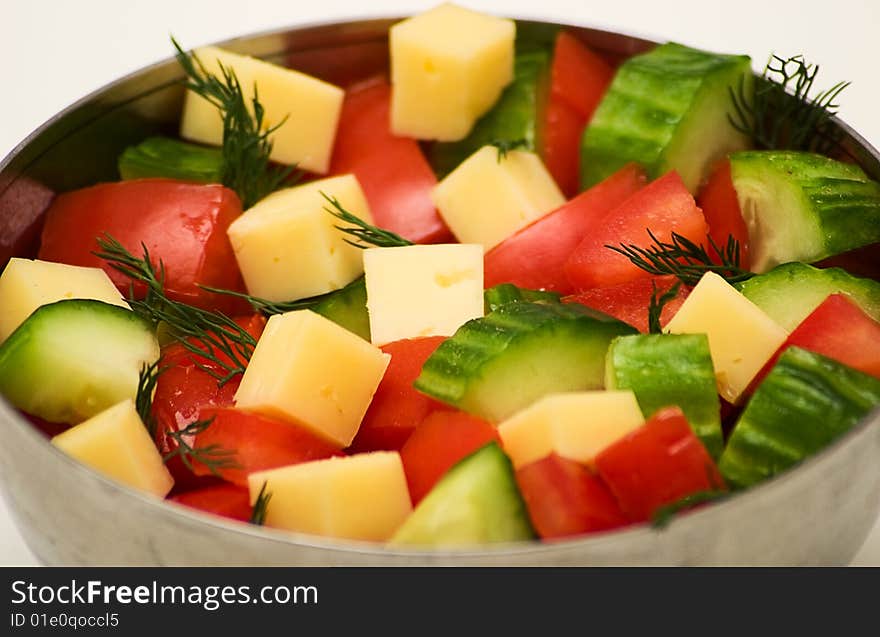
x=515, y=116
x=790, y=292
x=476, y=502
x=666, y=109
x=75, y=358
x=348, y=307
x=502, y=293
x=801, y=206
x=171, y=158
x=495, y=365
x=805, y=402
x=670, y=369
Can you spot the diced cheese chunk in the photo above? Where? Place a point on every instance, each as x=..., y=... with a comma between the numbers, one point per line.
x=115, y=442
x=428, y=290
x=575, y=425
x=485, y=200
x=311, y=106
x=27, y=284
x=359, y=497
x=741, y=337
x=308, y=369
x=448, y=67
x=287, y=245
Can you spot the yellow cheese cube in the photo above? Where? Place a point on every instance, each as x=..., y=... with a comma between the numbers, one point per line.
x=428, y=290
x=287, y=245
x=115, y=442
x=308, y=369
x=485, y=200
x=359, y=497
x=741, y=337
x=27, y=284
x=312, y=109
x=448, y=67
x=575, y=425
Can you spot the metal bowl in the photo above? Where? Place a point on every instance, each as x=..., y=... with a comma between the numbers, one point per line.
x=818, y=513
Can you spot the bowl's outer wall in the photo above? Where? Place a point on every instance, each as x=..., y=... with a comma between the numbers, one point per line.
x=819, y=513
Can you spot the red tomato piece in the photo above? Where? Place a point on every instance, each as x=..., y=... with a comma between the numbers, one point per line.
x=657, y=464
x=629, y=302
x=183, y=225
x=21, y=210
x=535, y=256
x=259, y=442
x=578, y=75
x=397, y=408
x=561, y=144
x=227, y=500
x=564, y=498
x=396, y=178
x=664, y=206
x=838, y=329
x=720, y=206
x=440, y=441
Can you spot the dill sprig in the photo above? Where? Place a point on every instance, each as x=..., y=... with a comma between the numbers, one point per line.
x=780, y=114
x=663, y=515
x=365, y=234
x=210, y=335
x=685, y=259
x=504, y=146
x=246, y=147
x=214, y=457
x=261, y=504
x=656, y=305
x=143, y=401
x=268, y=307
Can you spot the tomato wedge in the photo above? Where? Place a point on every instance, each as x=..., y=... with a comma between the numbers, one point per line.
x=664, y=206
x=657, y=464
x=396, y=178
x=564, y=498
x=441, y=440
x=720, y=206
x=535, y=256
x=183, y=225
x=561, y=144
x=227, y=500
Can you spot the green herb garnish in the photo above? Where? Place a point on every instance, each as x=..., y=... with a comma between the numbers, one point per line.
x=504, y=146
x=258, y=513
x=365, y=234
x=213, y=457
x=655, y=307
x=143, y=401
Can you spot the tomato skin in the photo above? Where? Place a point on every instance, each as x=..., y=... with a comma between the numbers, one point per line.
x=137, y=211
x=561, y=144
x=440, y=441
x=397, y=408
x=564, y=498
x=227, y=500
x=629, y=302
x=663, y=206
x=657, y=464
x=259, y=442
x=535, y=257
x=396, y=178
x=717, y=198
x=578, y=76
x=838, y=329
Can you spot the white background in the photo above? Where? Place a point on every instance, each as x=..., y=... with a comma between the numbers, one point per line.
x=52, y=53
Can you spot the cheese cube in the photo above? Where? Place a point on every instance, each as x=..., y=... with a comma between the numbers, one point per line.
x=27, y=284
x=575, y=425
x=312, y=109
x=308, y=369
x=428, y=290
x=116, y=443
x=741, y=337
x=359, y=497
x=287, y=245
x=487, y=199
x=448, y=67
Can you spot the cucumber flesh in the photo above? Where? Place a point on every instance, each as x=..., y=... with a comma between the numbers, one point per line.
x=502, y=293
x=790, y=292
x=805, y=402
x=500, y=363
x=666, y=109
x=171, y=158
x=348, y=308
x=663, y=370
x=801, y=206
x=476, y=502
x=75, y=358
